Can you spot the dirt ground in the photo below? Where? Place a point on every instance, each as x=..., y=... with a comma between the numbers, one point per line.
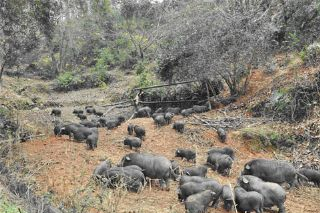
x=63, y=168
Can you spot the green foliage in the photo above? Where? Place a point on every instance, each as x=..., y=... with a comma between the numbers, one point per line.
x=123, y=42
x=64, y=79
x=4, y=112
x=266, y=137
x=119, y=53
x=312, y=53
x=283, y=100
x=44, y=62
x=102, y=6
x=284, y=90
x=145, y=79
x=282, y=104
x=294, y=40
x=303, y=54
x=77, y=79
x=19, y=32
x=23, y=104
x=105, y=57
x=261, y=137
x=145, y=74
x=140, y=68
x=102, y=79
x=8, y=207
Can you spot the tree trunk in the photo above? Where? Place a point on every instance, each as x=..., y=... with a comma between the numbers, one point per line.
x=1, y=71
x=141, y=52
x=55, y=65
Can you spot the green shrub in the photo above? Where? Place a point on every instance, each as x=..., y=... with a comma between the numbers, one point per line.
x=140, y=68
x=4, y=111
x=64, y=79
x=23, y=104
x=294, y=40
x=262, y=137
x=104, y=59
x=312, y=55
x=144, y=79
x=302, y=55
x=8, y=207
x=44, y=62
x=80, y=80
x=119, y=54
x=146, y=74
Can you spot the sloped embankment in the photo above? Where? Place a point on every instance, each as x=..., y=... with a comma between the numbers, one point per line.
x=63, y=169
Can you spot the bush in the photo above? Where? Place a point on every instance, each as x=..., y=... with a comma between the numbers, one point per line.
x=64, y=79
x=9, y=207
x=145, y=79
x=140, y=68
x=312, y=54
x=263, y=137
x=4, y=111
x=146, y=74
x=104, y=59
x=291, y=104
x=120, y=53
x=303, y=55
x=69, y=81
x=42, y=67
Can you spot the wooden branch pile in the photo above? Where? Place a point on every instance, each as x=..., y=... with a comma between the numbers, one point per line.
x=166, y=102
x=165, y=85
x=195, y=136
x=308, y=156
x=228, y=122
x=137, y=100
x=121, y=104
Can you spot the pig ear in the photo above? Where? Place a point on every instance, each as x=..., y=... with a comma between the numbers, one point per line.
x=245, y=180
x=127, y=158
x=247, y=167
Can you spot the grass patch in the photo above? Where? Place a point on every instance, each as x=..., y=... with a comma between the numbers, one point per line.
x=295, y=61
x=7, y=206
x=4, y=112
x=261, y=138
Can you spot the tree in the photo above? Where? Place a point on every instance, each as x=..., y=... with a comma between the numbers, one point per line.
x=47, y=14
x=140, y=22
x=217, y=40
x=82, y=28
x=18, y=32
x=301, y=22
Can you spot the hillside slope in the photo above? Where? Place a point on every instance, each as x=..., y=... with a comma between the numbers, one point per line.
x=64, y=168
x=61, y=170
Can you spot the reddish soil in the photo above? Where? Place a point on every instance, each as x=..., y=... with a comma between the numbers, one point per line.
x=262, y=84
x=64, y=169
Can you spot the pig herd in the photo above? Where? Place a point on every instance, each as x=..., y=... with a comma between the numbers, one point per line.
x=261, y=184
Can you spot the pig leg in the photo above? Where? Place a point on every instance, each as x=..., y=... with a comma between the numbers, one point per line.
x=281, y=208
x=164, y=184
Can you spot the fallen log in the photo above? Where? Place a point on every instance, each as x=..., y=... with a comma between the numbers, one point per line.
x=159, y=102
x=118, y=103
x=165, y=85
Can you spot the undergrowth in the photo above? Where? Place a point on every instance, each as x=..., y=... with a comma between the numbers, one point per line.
x=7, y=206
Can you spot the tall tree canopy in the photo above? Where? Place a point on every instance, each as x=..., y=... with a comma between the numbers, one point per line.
x=18, y=32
